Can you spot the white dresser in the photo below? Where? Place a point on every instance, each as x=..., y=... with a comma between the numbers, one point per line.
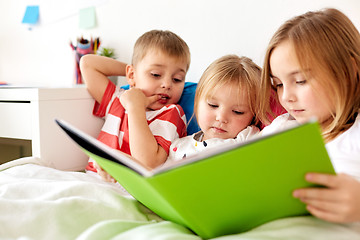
x=29, y=114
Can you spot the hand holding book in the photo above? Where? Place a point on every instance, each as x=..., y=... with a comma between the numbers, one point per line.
x=221, y=184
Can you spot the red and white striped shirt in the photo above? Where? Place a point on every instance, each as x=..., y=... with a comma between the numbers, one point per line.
x=166, y=124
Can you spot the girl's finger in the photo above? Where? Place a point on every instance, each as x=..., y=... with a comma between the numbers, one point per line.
x=324, y=215
x=327, y=180
x=326, y=206
x=318, y=194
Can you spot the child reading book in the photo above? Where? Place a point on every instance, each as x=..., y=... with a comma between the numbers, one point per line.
x=186, y=191
x=313, y=63
x=224, y=107
x=144, y=120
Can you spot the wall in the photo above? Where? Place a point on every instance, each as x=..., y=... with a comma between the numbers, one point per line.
x=211, y=28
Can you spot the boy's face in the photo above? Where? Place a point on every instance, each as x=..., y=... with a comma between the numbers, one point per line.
x=225, y=114
x=300, y=98
x=159, y=74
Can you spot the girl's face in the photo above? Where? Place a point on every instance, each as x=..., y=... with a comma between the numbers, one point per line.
x=300, y=98
x=225, y=114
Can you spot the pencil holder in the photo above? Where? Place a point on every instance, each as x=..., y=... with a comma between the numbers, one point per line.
x=83, y=46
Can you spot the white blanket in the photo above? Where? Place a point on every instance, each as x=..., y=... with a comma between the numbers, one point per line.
x=38, y=202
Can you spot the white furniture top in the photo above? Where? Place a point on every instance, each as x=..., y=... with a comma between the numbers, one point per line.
x=29, y=113
x=32, y=93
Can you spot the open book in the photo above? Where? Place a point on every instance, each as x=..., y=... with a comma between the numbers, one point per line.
x=227, y=190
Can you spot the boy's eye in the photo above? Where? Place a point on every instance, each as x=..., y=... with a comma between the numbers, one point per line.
x=177, y=80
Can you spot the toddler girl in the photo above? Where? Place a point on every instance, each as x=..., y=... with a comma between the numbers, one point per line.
x=224, y=106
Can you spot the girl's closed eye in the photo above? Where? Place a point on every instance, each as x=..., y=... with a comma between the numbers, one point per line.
x=301, y=82
x=276, y=83
x=212, y=105
x=156, y=75
x=238, y=112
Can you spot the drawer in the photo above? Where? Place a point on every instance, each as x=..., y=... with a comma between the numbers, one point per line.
x=15, y=120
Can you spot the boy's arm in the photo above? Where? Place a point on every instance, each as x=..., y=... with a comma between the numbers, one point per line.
x=143, y=144
x=95, y=70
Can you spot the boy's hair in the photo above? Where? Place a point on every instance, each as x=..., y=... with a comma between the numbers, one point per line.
x=230, y=69
x=327, y=46
x=165, y=41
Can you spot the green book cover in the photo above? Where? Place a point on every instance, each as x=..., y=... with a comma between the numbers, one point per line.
x=227, y=190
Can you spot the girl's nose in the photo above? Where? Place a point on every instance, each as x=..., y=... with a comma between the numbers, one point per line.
x=221, y=116
x=288, y=94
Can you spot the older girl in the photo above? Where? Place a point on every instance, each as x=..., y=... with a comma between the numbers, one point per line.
x=313, y=63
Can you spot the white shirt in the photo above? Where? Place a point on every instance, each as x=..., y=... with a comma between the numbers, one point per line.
x=282, y=122
x=344, y=151
x=190, y=145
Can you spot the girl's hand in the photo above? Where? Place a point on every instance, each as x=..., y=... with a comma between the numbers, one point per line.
x=135, y=98
x=104, y=175
x=339, y=202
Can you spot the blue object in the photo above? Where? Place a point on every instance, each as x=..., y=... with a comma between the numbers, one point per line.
x=187, y=103
x=31, y=15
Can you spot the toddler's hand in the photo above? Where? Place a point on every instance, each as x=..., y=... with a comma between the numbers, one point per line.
x=104, y=175
x=339, y=202
x=135, y=98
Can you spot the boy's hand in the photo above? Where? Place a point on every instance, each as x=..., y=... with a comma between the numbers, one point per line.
x=339, y=202
x=104, y=175
x=135, y=98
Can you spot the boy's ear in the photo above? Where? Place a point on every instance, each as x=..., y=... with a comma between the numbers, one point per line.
x=130, y=72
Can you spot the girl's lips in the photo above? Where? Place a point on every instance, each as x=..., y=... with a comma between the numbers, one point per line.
x=218, y=130
x=294, y=111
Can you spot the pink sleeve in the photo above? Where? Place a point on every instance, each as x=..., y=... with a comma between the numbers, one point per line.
x=275, y=106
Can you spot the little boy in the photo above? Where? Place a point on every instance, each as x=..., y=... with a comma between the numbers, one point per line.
x=144, y=120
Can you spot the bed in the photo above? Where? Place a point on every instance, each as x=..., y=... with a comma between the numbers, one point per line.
x=38, y=201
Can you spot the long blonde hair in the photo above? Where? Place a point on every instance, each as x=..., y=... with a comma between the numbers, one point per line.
x=327, y=43
x=230, y=69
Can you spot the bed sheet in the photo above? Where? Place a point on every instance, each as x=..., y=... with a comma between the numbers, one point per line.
x=38, y=202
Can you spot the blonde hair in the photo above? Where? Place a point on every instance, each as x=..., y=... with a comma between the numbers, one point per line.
x=230, y=69
x=328, y=44
x=165, y=41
